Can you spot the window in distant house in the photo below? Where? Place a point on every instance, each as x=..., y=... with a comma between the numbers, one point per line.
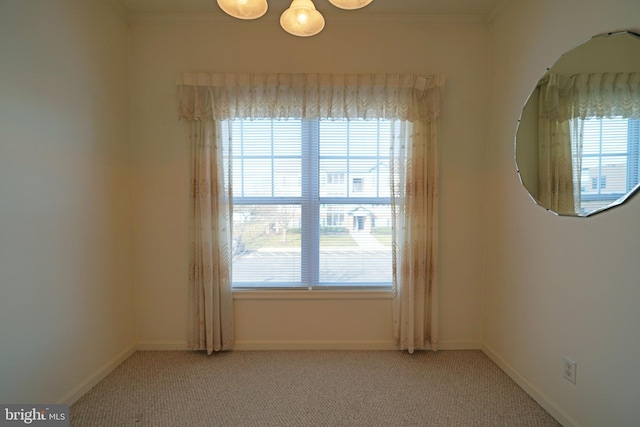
x=334, y=218
x=599, y=183
x=296, y=221
x=335, y=178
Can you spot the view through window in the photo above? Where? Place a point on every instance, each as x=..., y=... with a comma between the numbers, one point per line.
x=311, y=203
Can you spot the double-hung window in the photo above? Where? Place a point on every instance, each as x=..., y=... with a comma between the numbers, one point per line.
x=311, y=203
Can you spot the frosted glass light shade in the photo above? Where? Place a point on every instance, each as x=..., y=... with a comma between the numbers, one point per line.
x=350, y=4
x=244, y=9
x=302, y=19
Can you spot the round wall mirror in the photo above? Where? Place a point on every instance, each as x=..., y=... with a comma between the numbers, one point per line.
x=577, y=147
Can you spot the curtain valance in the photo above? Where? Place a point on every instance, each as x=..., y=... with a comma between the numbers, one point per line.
x=603, y=95
x=216, y=96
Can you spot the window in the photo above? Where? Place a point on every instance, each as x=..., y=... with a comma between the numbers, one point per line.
x=334, y=218
x=610, y=148
x=297, y=223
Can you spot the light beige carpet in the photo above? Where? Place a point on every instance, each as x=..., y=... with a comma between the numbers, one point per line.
x=308, y=388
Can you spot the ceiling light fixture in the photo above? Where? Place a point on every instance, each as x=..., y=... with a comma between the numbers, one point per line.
x=350, y=4
x=244, y=9
x=301, y=19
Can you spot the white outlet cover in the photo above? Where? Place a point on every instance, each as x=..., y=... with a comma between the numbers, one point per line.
x=569, y=369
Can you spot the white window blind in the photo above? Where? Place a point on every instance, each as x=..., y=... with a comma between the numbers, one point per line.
x=609, y=160
x=311, y=204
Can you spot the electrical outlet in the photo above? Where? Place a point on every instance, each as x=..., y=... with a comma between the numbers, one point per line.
x=569, y=369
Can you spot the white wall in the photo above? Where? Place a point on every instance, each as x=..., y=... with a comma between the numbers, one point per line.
x=66, y=299
x=557, y=286
x=163, y=46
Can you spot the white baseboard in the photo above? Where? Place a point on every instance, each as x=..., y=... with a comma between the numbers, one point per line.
x=530, y=389
x=162, y=346
x=257, y=345
x=78, y=391
x=460, y=345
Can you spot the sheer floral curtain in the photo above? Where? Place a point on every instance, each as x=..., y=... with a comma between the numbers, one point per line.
x=414, y=201
x=558, y=182
x=210, y=309
x=578, y=96
x=205, y=100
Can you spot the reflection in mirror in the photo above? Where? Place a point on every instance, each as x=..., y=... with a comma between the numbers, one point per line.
x=578, y=139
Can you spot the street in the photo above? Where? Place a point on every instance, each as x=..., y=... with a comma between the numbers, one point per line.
x=349, y=266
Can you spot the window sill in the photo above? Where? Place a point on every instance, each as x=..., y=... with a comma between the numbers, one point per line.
x=316, y=294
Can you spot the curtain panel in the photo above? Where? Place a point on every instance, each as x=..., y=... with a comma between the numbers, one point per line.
x=414, y=204
x=415, y=100
x=559, y=161
x=558, y=181
x=210, y=320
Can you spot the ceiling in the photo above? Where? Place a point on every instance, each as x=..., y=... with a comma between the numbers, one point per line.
x=378, y=7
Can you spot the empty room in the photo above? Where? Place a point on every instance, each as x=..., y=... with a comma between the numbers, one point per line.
x=327, y=212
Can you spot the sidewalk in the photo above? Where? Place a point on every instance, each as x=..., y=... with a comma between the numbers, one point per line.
x=364, y=238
